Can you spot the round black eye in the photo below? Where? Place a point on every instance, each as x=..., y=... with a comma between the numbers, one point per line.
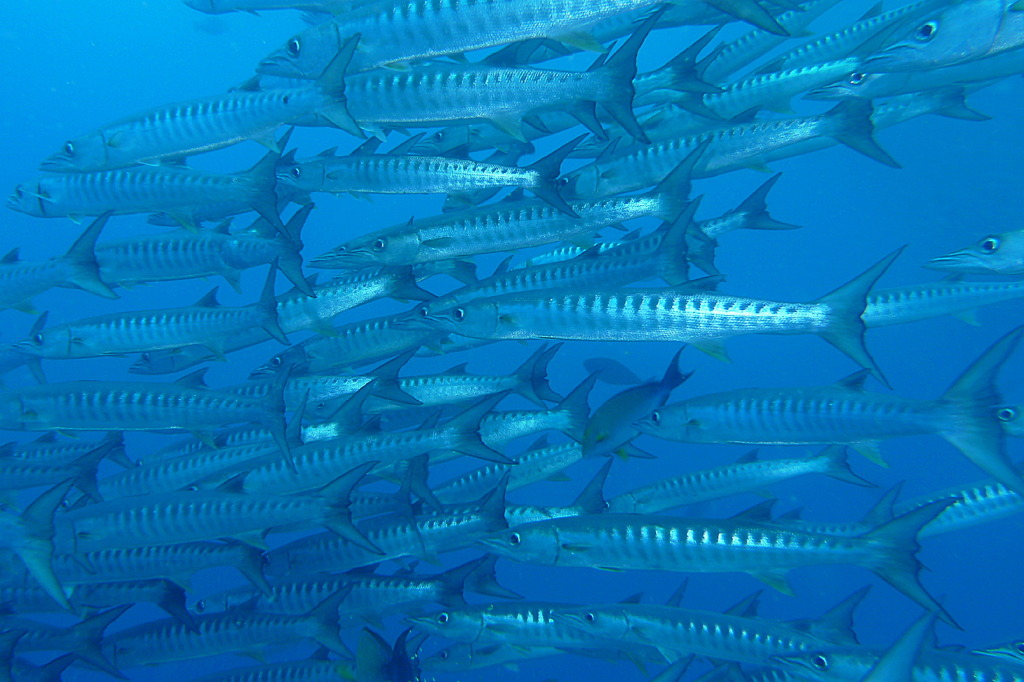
x=589, y=617
x=655, y=417
x=442, y=618
x=424, y=312
x=562, y=182
x=38, y=339
x=192, y=488
x=293, y=47
x=926, y=31
x=443, y=655
x=145, y=357
x=514, y=539
x=296, y=172
x=1006, y=414
x=820, y=663
x=380, y=245
x=989, y=244
x=69, y=148
x=63, y=503
x=276, y=361
x=1019, y=646
x=200, y=606
x=438, y=136
x=459, y=314
x=857, y=78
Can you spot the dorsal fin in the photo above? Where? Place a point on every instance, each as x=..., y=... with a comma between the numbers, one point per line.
x=855, y=381
x=591, y=500
x=406, y=146
x=748, y=457
x=11, y=257
x=209, y=299
x=676, y=598
x=367, y=148
x=328, y=153
x=760, y=512
x=193, y=379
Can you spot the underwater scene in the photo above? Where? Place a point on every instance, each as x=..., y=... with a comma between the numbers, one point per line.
x=461, y=340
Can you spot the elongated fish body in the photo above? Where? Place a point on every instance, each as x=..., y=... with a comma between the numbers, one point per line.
x=461, y=657
x=225, y=6
x=419, y=29
x=310, y=670
x=845, y=41
x=177, y=359
x=532, y=466
x=953, y=33
x=995, y=254
x=127, y=406
x=173, y=562
x=973, y=505
x=728, y=148
x=758, y=42
x=488, y=229
x=132, y=190
x=47, y=450
x=748, y=474
x=930, y=666
x=721, y=636
x=919, y=302
x=160, y=592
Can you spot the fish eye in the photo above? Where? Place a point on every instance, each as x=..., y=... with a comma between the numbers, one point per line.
x=443, y=655
x=69, y=148
x=589, y=617
x=276, y=361
x=926, y=31
x=380, y=245
x=192, y=488
x=820, y=663
x=200, y=606
x=656, y=417
x=1006, y=414
x=438, y=136
x=459, y=314
x=515, y=539
x=989, y=244
x=442, y=617
x=296, y=172
x=857, y=78
x=145, y=357
x=424, y=313
x=38, y=339
x=1019, y=646
x=293, y=47
x=562, y=182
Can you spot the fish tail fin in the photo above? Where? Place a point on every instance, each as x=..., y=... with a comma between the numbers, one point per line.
x=549, y=168
x=837, y=466
x=591, y=500
x=386, y=384
x=407, y=289
x=372, y=657
x=756, y=209
x=854, y=128
x=976, y=430
x=338, y=494
x=82, y=258
x=250, y=565
x=674, y=189
x=117, y=453
x=332, y=84
x=268, y=307
x=751, y=12
x=262, y=195
x=577, y=407
x=620, y=70
x=37, y=521
x=85, y=469
x=172, y=601
x=684, y=72
x=491, y=506
x=289, y=260
x=673, y=378
x=482, y=579
x=325, y=622
x=467, y=424
x=845, y=329
x=954, y=105
x=671, y=255
x=273, y=419
x=88, y=636
x=533, y=376
x=897, y=564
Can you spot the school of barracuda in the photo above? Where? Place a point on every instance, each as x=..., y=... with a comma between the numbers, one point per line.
x=337, y=482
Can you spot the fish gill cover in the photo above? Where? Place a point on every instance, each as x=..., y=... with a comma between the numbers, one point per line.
x=478, y=412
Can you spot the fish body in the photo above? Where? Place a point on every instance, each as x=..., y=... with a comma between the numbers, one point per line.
x=918, y=302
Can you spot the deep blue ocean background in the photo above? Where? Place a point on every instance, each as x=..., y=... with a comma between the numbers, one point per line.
x=72, y=66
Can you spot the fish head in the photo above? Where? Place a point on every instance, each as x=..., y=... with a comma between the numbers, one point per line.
x=600, y=622
x=455, y=658
x=1011, y=651
x=31, y=198
x=168, y=361
x=950, y=34
x=1011, y=419
x=670, y=422
x=301, y=178
x=856, y=85
x=535, y=544
x=461, y=625
x=833, y=664
x=477, y=319
x=394, y=250
x=306, y=54
x=992, y=254
x=447, y=140
x=55, y=342
x=288, y=359
x=82, y=154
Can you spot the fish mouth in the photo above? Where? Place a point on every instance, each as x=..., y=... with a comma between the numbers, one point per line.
x=889, y=57
x=415, y=321
x=277, y=66
x=828, y=92
x=957, y=259
x=56, y=164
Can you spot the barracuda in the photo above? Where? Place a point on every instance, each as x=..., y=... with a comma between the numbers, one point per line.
x=424, y=536
x=48, y=451
x=176, y=191
x=194, y=515
x=418, y=29
x=972, y=506
x=254, y=6
x=84, y=638
x=411, y=174
x=966, y=415
x=21, y=280
x=168, y=640
x=765, y=551
x=509, y=225
x=995, y=254
x=930, y=666
x=729, y=148
x=677, y=314
x=205, y=323
x=922, y=301
x=183, y=254
x=21, y=474
x=174, y=131
x=748, y=474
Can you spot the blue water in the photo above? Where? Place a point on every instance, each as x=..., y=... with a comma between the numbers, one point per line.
x=70, y=67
